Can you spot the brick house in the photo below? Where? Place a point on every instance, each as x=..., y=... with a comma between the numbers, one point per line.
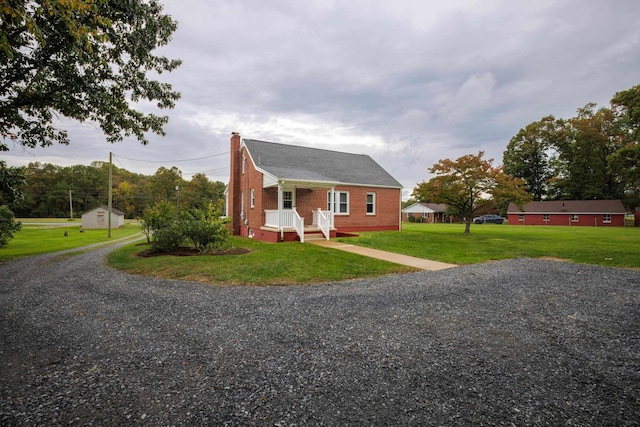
x=428, y=212
x=281, y=192
x=568, y=212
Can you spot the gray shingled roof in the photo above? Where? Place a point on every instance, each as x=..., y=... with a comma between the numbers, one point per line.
x=570, y=206
x=295, y=163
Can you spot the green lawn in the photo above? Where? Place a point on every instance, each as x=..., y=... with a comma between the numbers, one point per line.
x=295, y=263
x=265, y=264
x=38, y=239
x=610, y=246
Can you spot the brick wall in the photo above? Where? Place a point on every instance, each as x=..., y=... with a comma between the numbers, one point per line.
x=387, y=210
x=584, y=220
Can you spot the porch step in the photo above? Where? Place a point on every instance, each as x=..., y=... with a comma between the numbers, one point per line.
x=310, y=237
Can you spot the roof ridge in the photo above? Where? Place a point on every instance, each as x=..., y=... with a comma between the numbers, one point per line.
x=305, y=147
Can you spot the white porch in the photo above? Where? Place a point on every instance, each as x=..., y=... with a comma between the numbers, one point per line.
x=288, y=220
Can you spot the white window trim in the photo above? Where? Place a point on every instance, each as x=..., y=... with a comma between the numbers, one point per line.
x=336, y=206
x=604, y=218
x=293, y=198
x=575, y=217
x=252, y=198
x=373, y=202
x=545, y=217
x=520, y=217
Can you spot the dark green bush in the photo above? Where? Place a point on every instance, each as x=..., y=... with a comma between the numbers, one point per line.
x=8, y=225
x=168, y=238
x=207, y=235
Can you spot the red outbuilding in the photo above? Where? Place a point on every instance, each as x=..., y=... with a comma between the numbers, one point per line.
x=593, y=213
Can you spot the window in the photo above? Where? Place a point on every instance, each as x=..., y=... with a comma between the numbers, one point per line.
x=252, y=197
x=574, y=217
x=371, y=203
x=425, y=215
x=342, y=202
x=606, y=218
x=244, y=161
x=287, y=200
x=545, y=217
x=520, y=217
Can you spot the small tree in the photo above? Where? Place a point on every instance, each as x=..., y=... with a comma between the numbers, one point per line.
x=468, y=184
x=8, y=225
x=159, y=216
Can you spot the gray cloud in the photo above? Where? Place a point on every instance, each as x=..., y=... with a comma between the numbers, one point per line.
x=407, y=82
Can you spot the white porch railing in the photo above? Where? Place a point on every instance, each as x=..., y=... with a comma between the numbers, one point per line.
x=322, y=219
x=289, y=218
x=298, y=224
x=271, y=218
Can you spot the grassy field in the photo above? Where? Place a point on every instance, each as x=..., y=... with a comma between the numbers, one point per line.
x=295, y=263
x=36, y=239
x=265, y=264
x=610, y=246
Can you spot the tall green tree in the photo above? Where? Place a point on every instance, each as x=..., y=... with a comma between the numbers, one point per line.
x=166, y=184
x=468, y=185
x=529, y=156
x=200, y=192
x=625, y=162
x=584, y=146
x=87, y=60
x=12, y=179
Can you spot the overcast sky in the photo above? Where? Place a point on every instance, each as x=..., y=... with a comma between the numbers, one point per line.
x=406, y=82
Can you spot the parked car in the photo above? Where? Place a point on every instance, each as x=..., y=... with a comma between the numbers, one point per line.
x=496, y=219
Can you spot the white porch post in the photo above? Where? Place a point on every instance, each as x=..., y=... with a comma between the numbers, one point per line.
x=332, y=205
x=279, y=206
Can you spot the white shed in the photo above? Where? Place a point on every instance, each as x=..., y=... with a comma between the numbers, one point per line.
x=99, y=218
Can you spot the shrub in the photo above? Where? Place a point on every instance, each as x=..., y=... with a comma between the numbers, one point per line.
x=158, y=216
x=168, y=238
x=8, y=225
x=207, y=235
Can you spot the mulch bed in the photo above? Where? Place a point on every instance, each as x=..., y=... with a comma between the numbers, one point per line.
x=185, y=251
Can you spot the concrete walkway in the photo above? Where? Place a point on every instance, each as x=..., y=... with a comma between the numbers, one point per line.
x=421, y=263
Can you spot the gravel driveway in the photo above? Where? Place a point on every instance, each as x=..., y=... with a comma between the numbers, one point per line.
x=523, y=342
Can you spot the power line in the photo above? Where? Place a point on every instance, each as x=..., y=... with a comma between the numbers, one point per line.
x=208, y=171
x=172, y=160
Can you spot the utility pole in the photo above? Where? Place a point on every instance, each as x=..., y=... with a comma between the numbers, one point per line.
x=71, y=205
x=110, y=194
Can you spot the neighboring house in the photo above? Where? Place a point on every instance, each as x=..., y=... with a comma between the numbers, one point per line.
x=99, y=218
x=568, y=212
x=429, y=212
x=281, y=192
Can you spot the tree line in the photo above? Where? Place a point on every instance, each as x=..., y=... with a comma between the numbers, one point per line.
x=594, y=155
x=46, y=190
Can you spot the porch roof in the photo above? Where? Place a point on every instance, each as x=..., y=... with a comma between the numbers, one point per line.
x=312, y=165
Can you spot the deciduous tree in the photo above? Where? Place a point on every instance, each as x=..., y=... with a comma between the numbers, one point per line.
x=467, y=184
x=584, y=146
x=625, y=162
x=529, y=155
x=87, y=60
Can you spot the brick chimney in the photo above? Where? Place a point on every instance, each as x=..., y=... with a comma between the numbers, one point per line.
x=234, y=183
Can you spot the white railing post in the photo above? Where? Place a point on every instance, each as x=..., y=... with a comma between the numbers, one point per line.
x=323, y=223
x=298, y=224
